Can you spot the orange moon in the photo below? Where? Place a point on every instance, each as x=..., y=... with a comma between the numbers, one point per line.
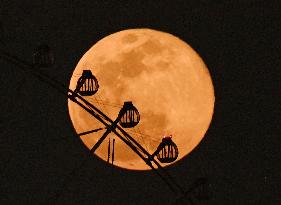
x=167, y=82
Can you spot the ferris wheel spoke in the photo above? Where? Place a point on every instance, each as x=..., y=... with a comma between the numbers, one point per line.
x=103, y=102
x=90, y=131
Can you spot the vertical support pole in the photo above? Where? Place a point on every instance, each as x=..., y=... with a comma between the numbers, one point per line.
x=108, y=151
x=113, y=145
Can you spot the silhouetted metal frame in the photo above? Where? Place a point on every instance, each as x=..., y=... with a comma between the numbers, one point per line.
x=100, y=116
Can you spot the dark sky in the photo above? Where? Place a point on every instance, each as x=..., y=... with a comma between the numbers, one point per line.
x=240, y=155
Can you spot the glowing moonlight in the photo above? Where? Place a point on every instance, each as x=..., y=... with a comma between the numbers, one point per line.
x=164, y=77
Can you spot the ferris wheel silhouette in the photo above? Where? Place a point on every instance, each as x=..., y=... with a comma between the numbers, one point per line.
x=128, y=117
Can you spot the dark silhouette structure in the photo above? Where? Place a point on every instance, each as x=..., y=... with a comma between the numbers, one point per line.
x=200, y=190
x=128, y=117
x=43, y=56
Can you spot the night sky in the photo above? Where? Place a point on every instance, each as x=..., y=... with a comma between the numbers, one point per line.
x=240, y=154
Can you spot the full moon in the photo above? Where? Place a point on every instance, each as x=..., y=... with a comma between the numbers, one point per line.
x=167, y=82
